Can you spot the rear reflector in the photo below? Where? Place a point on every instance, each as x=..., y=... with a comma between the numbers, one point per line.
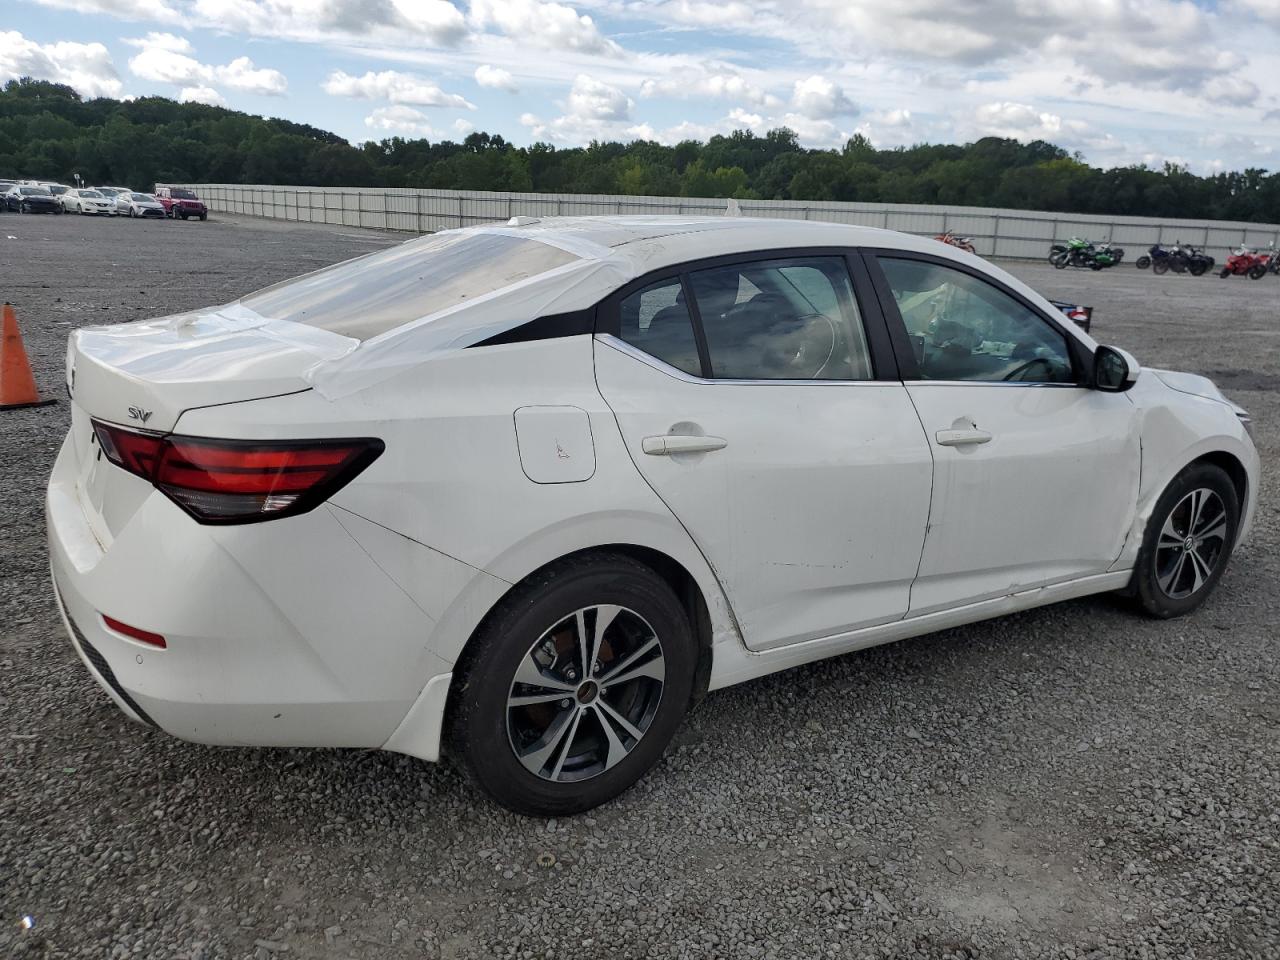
x=238, y=481
x=142, y=636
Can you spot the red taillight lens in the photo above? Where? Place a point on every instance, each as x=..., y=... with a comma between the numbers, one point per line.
x=239, y=481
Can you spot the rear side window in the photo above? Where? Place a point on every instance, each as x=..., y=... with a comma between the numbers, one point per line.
x=370, y=295
x=793, y=319
x=657, y=321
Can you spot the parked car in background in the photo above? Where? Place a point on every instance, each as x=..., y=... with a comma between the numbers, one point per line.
x=57, y=189
x=139, y=205
x=112, y=193
x=526, y=492
x=88, y=201
x=22, y=198
x=179, y=202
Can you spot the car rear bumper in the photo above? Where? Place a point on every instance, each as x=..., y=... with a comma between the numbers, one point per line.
x=291, y=637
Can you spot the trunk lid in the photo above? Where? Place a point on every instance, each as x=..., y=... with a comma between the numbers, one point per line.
x=145, y=375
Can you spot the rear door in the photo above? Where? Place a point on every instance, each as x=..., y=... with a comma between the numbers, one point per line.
x=759, y=399
x=1036, y=476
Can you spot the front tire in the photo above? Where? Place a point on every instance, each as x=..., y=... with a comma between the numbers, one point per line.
x=1188, y=542
x=574, y=686
x=1142, y=262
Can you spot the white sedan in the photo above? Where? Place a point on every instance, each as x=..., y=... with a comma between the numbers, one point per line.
x=525, y=492
x=88, y=201
x=139, y=205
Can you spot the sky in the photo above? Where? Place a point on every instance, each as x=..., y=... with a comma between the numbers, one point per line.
x=1119, y=81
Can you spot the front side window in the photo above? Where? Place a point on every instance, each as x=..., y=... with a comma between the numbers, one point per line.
x=963, y=328
x=376, y=293
x=793, y=319
x=657, y=321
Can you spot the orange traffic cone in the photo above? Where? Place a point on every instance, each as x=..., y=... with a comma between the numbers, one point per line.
x=17, y=385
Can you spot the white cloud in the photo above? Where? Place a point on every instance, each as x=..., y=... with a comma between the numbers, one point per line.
x=394, y=86
x=400, y=119
x=438, y=20
x=241, y=74
x=404, y=23
x=591, y=99
x=165, y=58
x=201, y=95
x=86, y=67
x=551, y=25
x=161, y=41
x=463, y=127
x=820, y=99
x=495, y=78
x=123, y=9
x=1023, y=122
x=701, y=84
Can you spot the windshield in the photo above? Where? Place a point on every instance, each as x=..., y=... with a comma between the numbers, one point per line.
x=35, y=192
x=140, y=197
x=182, y=194
x=370, y=295
x=91, y=194
x=58, y=190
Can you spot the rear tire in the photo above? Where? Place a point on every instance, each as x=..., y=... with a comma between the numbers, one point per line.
x=567, y=751
x=1188, y=542
x=1257, y=271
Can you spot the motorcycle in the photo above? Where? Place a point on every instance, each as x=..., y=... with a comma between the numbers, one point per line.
x=1245, y=262
x=964, y=243
x=1084, y=253
x=1180, y=258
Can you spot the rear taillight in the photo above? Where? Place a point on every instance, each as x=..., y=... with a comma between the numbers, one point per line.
x=238, y=481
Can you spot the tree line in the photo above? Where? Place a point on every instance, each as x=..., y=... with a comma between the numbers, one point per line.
x=47, y=131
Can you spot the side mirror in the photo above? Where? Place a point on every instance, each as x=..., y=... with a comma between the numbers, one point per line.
x=1114, y=370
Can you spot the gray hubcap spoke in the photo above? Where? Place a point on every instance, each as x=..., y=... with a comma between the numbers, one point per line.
x=1192, y=542
x=559, y=723
x=616, y=674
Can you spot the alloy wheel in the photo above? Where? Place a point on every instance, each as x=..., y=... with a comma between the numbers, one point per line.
x=1192, y=543
x=585, y=693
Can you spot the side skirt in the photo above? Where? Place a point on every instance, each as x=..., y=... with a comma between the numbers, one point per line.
x=737, y=664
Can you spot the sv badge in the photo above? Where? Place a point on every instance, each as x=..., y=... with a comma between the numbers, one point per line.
x=137, y=413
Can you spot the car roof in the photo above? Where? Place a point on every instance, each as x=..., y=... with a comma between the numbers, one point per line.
x=653, y=242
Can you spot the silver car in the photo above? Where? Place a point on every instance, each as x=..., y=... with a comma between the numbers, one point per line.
x=139, y=205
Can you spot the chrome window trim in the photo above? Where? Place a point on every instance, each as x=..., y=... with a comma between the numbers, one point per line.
x=622, y=346
x=993, y=383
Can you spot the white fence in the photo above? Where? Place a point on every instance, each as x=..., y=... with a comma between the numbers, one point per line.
x=1009, y=234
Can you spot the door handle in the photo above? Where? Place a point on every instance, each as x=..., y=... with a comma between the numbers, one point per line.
x=962, y=438
x=668, y=444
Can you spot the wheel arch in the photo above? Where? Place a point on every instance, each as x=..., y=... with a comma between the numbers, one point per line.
x=1232, y=466
x=666, y=567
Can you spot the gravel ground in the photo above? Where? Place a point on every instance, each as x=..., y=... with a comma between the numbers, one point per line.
x=1071, y=782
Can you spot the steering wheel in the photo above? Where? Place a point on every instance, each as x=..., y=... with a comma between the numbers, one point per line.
x=1013, y=374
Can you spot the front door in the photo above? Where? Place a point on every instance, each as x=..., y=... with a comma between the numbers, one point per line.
x=747, y=397
x=1036, y=475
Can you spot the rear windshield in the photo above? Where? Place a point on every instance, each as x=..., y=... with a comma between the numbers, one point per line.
x=370, y=295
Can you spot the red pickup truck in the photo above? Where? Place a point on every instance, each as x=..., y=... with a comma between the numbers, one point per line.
x=181, y=202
